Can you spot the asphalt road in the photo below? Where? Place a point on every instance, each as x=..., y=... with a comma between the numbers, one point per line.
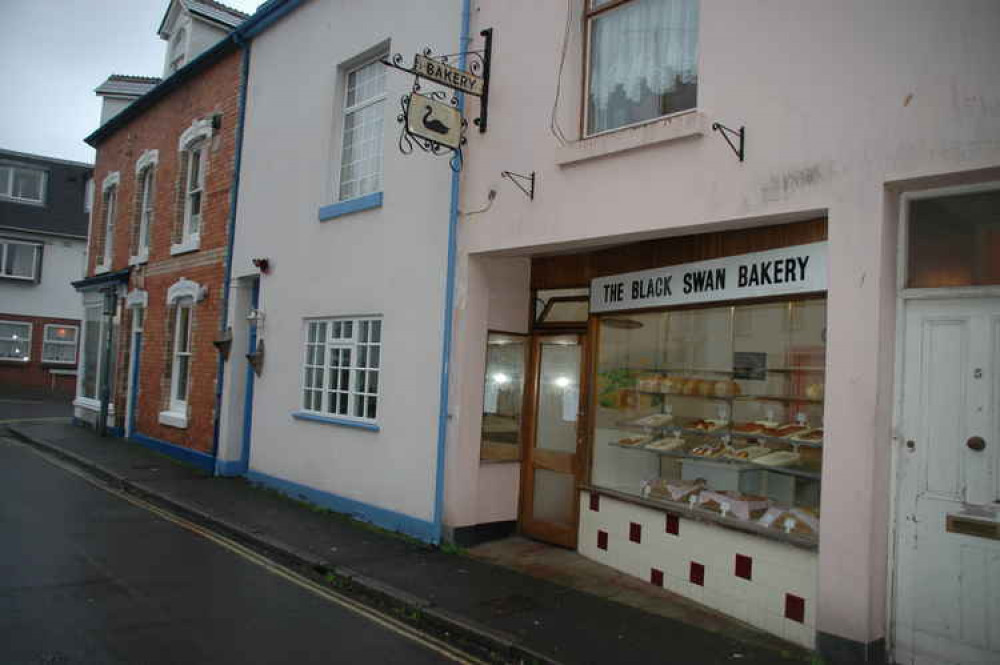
x=88, y=577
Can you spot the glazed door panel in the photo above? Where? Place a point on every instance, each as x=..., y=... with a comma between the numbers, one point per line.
x=549, y=505
x=947, y=578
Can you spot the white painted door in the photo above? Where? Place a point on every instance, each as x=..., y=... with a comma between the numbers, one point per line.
x=947, y=582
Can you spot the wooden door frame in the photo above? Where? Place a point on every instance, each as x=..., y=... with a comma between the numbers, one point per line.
x=529, y=429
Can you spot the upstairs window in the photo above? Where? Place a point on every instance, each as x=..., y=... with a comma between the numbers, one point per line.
x=22, y=184
x=15, y=341
x=19, y=260
x=361, y=158
x=144, y=215
x=180, y=367
x=642, y=61
x=110, y=209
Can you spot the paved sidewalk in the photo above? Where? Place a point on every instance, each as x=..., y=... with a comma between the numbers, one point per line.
x=495, y=612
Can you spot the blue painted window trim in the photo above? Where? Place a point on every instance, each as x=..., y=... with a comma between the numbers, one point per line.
x=341, y=208
x=383, y=517
x=302, y=415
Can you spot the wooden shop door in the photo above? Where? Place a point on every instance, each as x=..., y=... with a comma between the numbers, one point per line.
x=552, y=466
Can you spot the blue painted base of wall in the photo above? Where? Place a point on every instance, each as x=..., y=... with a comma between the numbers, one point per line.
x=387, y=519
x=229, y=468
x=193, y=457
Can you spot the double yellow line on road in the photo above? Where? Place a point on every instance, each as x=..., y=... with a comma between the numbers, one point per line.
x=390, y=623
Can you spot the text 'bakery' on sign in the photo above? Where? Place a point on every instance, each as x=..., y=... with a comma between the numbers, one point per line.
x=799, y=269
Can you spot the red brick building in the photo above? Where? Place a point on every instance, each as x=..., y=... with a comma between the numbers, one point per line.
x=164, y=179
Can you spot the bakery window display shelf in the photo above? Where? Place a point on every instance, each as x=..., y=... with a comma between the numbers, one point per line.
x=685, y=510
x=783, y=465
x=725, y=431
x=738, y=398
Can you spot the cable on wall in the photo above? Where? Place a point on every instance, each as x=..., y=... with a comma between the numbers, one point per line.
x=553, y=119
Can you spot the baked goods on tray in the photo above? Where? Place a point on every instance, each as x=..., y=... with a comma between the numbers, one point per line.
x=710, y=450
x=707, y=425
x=779, y=458
x=667, y=444
x=654, y=420
x=748, y=428
x=734, y=504
x=800, y=521
x=748, y=454
x=809, y=436
x=631, y=441
x=678, y=490
x=790, y=429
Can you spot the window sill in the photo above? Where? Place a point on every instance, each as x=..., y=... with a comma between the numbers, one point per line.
x=92, y=405
x=341, y=208
x=100, y=269
x=62, y=372
x=302, y=415
x=19, y=278
x=192, y=244
x=138, y=260
x=174, y=419
x=19, y=361
x=27, y=202
x=682, y=125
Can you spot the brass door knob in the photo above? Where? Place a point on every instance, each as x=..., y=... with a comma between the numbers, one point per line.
x=976, y=443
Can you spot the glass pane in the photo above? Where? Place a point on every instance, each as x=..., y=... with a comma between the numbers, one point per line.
x=562, y=311
x=553, y=497
x=5, y=180
x=371, y=407
x=376, y=327
x=15, y=331
x=373, y=382
x=558, y=394
x=502, y=396
x=20, y=260
x=91, y=350
x=28, y=184
x=374, y=354
x=183, y=330
x=60, y=334
x=195, y=176
x=348, y=329
x=59, y=353
x=363, y=331
x=643, y=62
x=182, y=378
x=954, y=241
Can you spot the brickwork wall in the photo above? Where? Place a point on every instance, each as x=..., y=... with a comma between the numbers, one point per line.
x=215, y=91
x=35, y=375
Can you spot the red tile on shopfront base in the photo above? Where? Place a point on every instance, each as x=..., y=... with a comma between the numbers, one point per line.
x=635, y=532
x=595, y=502
x=673, y=524
x=697, y=575
x=795, y=608
x=656, y=577
x=744, y=567
x=602, y=540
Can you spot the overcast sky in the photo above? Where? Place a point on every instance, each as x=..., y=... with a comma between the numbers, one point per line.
x=53, y=53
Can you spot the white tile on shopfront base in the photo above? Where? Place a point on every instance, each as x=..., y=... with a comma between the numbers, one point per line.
x=800, y=634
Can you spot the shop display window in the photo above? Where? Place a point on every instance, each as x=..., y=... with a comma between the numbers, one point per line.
x=716, y=410
x=502, y=397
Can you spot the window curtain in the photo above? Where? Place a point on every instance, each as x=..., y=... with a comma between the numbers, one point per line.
x=643, y=62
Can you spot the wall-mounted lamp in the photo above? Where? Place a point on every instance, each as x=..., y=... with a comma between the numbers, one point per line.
x=263, y=265
x=255, y=316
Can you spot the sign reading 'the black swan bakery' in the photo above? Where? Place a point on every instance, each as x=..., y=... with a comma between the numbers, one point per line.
x=776, y=272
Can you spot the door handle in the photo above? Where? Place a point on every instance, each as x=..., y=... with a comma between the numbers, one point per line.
x=976, y=443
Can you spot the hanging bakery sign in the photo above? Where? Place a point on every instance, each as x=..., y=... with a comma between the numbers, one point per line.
x=776, y=272
x=431, y=118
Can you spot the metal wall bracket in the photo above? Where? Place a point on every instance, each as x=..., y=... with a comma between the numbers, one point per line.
x=519, y=181
x=727, y=132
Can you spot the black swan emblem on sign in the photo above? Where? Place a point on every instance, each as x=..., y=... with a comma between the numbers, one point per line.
x=434, y=124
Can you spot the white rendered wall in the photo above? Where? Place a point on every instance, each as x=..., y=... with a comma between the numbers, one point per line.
x=389, y=260
x=845, y=104
x=63, y=261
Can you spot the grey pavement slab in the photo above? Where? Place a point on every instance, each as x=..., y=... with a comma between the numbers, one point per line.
x=561, y=623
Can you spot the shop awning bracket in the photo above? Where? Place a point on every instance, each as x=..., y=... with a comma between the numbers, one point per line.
x=727, y=132
x=519, y=180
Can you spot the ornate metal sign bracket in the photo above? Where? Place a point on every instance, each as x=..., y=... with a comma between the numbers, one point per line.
x=518, y=181
x=727, y=132
x=432, y=119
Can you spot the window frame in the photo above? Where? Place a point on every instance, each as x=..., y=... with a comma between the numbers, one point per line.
x=30, y=340
x=75, y=343
x=587, y=18
x=7, y=189
x=338, y=344
x=348, y=110
x=200, y=147
x=109, y=208
x=145, y=210
x=176, y=405
x=35, y=264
